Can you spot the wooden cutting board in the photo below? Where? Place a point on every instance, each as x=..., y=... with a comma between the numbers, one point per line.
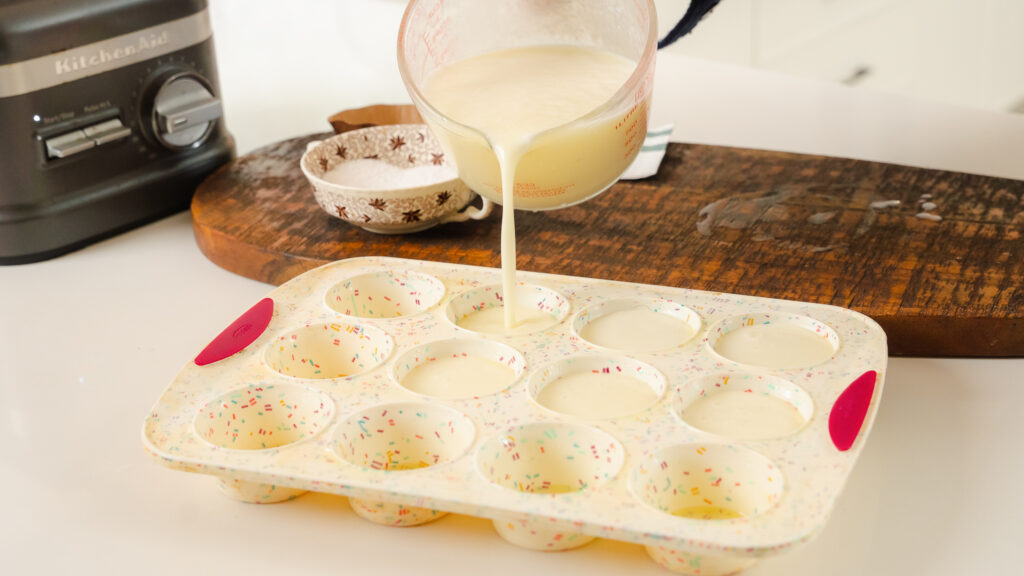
x=942, y=271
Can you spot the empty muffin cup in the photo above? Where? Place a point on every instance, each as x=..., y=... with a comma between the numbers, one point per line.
x=637, y=325
x=552, y=459
x=596, y=387
x=455, y=369
x=329, y=350
x=262, y=418
x=385, y=294
x=744, y=406
x=481, y=310
x=706, y=483
x=259, y=417
x=777, y=341
x=394, y=438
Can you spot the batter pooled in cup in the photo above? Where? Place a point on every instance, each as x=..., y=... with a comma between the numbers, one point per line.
x=597, y=395
x=637, y=330
x=459, y=377
x=776, y=345
x=513, y=97
x=492, y=320
x=741, y=414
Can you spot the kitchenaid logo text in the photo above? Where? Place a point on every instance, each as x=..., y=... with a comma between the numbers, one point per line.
x=102, y=56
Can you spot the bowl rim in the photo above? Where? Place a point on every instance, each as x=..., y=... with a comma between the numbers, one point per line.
x=320, y=184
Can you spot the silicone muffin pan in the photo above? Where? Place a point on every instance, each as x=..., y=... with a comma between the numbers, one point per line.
x=712, y=428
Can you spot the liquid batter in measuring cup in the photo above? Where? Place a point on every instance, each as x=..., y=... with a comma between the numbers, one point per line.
x=543, y=105
x=512, y=97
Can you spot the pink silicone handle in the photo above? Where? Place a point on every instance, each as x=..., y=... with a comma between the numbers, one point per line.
x=850, y=409
x=239, y=334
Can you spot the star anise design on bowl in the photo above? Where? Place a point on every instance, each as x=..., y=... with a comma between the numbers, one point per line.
x=438, y=159
x=443, y=197
x=379, y=203
x=323, y=164
x=421, y=136
x=372, y=157
x=341, y=151
x=412, y=159
x=342, y=211
x=397, y=142
x=366, y=218
x=411, y=216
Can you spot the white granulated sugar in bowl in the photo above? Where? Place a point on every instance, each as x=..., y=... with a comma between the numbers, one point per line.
x=374, y=174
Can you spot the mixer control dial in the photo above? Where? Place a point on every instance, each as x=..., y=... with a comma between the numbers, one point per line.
x=184, y=111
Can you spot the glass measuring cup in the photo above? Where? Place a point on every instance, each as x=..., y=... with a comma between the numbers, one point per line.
x=566, y=164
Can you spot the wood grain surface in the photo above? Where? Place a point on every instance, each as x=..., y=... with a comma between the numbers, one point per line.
x=942, y=271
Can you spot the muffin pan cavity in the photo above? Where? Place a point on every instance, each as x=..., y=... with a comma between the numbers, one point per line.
x=637, y=325
x=775, y=341
x=702, y=483
x=400, y=437
x=744, y=405
x=328, y=350
x=263, y=417
x=397, y=438
x=482, y=310
x=385, y=294
x=459, y=369
x=548, y=459
x=713, y=429
x=597, y=387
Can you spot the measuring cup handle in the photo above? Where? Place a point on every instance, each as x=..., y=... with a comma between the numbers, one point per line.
x=471, y=213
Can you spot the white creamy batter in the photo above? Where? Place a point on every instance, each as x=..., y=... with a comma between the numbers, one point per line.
x=745, y=415
x=459, y=377
x=596, y=395
x=512, y=96
x=637, y=330
x=777, y=345
x=493, y=321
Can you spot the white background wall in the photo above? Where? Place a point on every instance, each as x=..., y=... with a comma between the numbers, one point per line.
x=341, y=54
x=964, y=52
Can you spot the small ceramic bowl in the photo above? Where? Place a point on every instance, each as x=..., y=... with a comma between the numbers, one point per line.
x=389, y=210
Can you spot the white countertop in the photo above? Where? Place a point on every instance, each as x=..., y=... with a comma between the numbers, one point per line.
x=88, y=342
